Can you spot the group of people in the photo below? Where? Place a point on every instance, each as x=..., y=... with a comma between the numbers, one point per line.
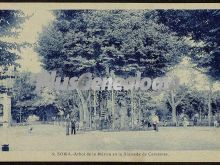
x=70, y=126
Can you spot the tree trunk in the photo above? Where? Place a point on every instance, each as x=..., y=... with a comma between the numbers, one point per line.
x=94, y=102
x=139, y=112
x=90, y=111
x=123, y=117
x=209, y=106
x=200, y=116
x=113, y=103
x=113, y=109
x=173, y=106
x=174, y=120
x=132, y=109
x=84, y=111
x=20, y=115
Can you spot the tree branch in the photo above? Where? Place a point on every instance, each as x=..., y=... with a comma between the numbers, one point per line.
x=168, y=99
x=177, y=103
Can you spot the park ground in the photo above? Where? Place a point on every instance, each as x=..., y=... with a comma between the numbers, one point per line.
x=53, y=138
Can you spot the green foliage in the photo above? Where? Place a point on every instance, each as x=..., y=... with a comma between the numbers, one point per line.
x=202, y=26
x=193, y=103
x=216, y=102
x=125, y=42
x=23, y=95
x=10, y=23
x=98, y=41
x=24, y=87
x=68, y=102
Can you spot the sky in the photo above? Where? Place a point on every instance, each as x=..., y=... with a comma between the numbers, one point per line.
x=30, y=28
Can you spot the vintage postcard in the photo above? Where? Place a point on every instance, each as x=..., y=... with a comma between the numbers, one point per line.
x=109, y=82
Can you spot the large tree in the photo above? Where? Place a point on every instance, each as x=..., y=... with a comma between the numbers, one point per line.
x=123, y=41
x=202, y=26
x=23, y=95
x=10, y=23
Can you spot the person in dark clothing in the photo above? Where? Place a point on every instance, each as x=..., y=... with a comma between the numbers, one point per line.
x=67, y=124
x=155, y=121
x=195, y=121
x=73, y=127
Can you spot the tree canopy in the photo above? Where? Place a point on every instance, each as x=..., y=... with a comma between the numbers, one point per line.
x=99, y=41
x=202, y=26
x=10, y=23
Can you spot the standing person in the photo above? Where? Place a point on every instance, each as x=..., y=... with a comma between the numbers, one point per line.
x=73, y=127
x=195, y=121
x=215, y=122
x=67, y=125
x=155, y=120
x=185, y=121
x=77, y=125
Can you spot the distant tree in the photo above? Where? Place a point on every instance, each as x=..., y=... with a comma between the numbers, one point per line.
x=68, y=102
x=23, y=94
x=202, y=26
x=174, y=98
x=216, y=102
x=27, y=100
x=10, y=23
x=193, y=103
